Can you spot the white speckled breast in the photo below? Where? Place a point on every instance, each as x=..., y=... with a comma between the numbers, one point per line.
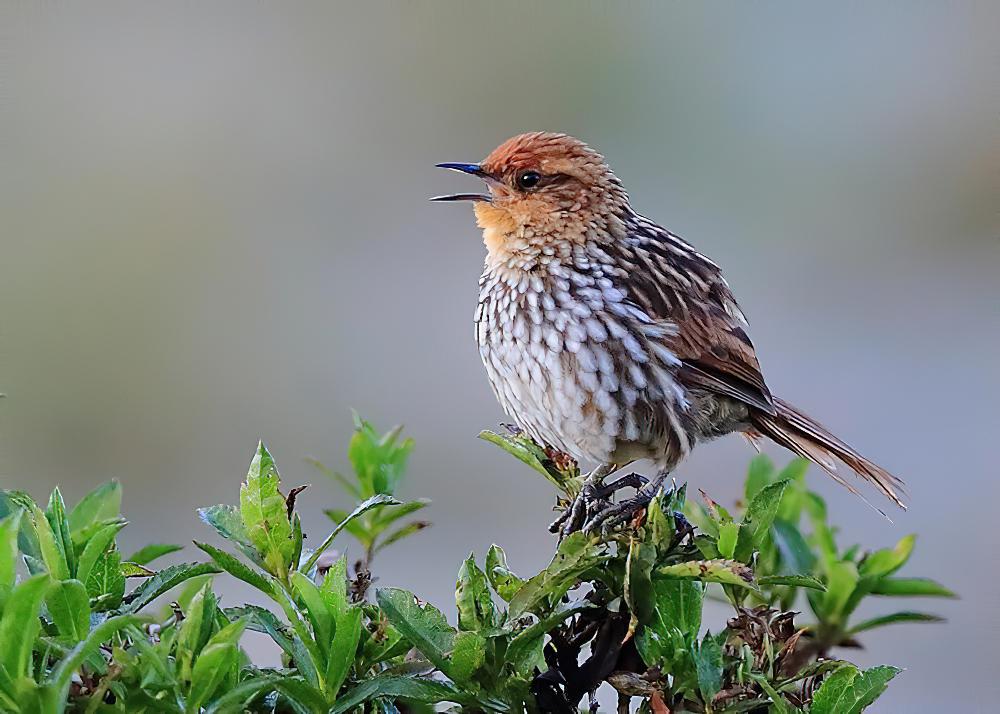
x=576, y=364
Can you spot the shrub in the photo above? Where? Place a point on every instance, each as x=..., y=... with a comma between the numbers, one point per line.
x=623, y=610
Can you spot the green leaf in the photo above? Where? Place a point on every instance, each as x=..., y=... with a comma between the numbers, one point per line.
x=195, y=629
x=360, y=530
x=817, y=669
x=19, y=625
x=411, y=688
x=239, y=697
x=261, y=620
x=49, y=545
x=97, y=545
x=211, y=667
x=525, y=649
x=424, y=626
x=523, y=449
x=380, y=499
x=61, y=676
x=58, y=520
x=378, y=461
x=219, y=658
x=678, y=604
x=264, y=514
x=472, y=596
x=849, y=691
x=912, y=587
x=134, y=570
x=727, y=572
x=149, y=553
x=886, y=562
x=9, y=528
x=320, y=616
x=401, y=533
x=305, y=651
x=575, y=555
x=758, y=519
x=759, y=475
x=298, y=540
x=105, y=582
x=101, y=505
x=638, y=585
x=699, y=517
x=18, y=502
x=238, y=570
x=502, y=579
x=674, y=628
x=661, y=528
x=708, y=665
x=790, y=509
x=729, y=532
x=794, y=549
x=798, y=581
x=302, y=696
x=163, y=581
x=707, y=546
x=227, y=522
x=527, y=451
x=334, y=585
x=903, y=616
x=778, y=703
x=344, y=649
x=816, y=508
x=69, y=607
x=467, y=656
x=841, y=579
x=389, y=516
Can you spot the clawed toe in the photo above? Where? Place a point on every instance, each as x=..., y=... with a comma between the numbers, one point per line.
x=615, y=514
x=592, y=506
x=633, y=480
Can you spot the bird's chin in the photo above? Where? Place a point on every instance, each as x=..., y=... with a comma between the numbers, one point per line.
x=495, y=220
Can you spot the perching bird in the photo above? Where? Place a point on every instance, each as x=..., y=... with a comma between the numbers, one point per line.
x=612, y=339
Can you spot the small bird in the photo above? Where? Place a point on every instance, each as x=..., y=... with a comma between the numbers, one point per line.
x=607, y=337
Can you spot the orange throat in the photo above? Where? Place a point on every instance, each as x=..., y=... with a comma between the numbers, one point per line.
x=499, y=229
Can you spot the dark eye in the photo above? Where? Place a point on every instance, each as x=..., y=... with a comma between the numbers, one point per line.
x=528, y=179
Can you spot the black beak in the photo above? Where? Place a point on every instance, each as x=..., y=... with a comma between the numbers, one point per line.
x=472, y=170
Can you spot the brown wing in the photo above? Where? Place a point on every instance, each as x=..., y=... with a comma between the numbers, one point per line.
x=671, y=281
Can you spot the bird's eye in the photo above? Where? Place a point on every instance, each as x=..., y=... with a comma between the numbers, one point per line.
x=528, y=179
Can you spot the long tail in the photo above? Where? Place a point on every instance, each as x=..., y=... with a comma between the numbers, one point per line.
x=806, y=437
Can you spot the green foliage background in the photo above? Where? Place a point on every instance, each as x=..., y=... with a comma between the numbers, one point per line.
x=621, y=609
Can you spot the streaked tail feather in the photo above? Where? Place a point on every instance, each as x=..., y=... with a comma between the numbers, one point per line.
x=802, y=435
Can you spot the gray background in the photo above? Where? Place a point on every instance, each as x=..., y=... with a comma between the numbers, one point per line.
x=215, y=227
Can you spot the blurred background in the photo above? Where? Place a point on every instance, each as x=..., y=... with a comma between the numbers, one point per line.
x=215, y=227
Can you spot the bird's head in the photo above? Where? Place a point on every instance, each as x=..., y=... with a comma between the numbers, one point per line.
x=542, y=188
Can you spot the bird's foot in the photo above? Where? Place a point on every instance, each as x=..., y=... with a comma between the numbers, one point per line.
x=614, y=514
x=593, y=498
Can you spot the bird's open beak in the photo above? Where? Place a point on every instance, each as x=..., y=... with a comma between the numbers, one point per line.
x=472, y=170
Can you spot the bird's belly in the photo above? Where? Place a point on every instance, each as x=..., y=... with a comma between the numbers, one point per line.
x=584, y=398
x=540, y=390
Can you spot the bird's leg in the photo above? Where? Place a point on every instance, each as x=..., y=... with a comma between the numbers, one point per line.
x=573, y=516
x=617, y=513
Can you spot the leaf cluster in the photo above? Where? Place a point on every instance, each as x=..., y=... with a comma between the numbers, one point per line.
x=85, y=629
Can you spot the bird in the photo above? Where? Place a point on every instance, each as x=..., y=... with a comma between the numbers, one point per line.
x=609, y=338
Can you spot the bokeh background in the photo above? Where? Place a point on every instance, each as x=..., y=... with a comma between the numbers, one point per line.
x=215, y=227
